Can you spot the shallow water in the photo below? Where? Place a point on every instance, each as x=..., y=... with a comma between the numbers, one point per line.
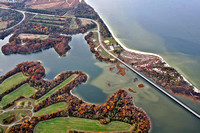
x=166, y=116
x=169, y=28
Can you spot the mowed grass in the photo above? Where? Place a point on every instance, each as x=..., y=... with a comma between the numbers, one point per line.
x=56, y=88
x=12, y=81
x=47, y=17
x=24, y=90
x=112, y=40
x=51, y=109
x=73, y=24
x=103, y=52
x=62, y=125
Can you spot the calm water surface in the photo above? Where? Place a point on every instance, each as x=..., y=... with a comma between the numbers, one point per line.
x=166, y=116
x=170, y=28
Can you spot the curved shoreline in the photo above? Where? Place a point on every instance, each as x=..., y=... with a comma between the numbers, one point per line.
x=146, y=53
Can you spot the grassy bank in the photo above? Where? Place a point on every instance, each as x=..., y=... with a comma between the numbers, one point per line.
x=62, y=125
x=24, y=90
x=12, y=81
x=51, y=109
x=56, y=88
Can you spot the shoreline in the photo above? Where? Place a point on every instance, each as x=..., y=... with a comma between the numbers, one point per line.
x=133, y=101
x=146, y=53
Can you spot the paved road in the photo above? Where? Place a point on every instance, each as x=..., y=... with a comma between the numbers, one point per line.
x=144, y=77
x=24, y=16
x=17, y=122
x=17, y=23
x=131, y=68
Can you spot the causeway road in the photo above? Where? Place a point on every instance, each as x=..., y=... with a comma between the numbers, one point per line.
x=144, y=77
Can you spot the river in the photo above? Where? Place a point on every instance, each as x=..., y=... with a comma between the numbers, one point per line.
x=166, y=116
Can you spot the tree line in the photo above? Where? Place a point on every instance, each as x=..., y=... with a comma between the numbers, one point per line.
x=119, y=107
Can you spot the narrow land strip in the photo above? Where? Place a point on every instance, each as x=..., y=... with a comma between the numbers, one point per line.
x=71, y=78
x=12, y=81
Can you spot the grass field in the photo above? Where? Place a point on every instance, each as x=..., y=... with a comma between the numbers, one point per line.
x=95, y=36
x=24, y=90
x=56, y=88
x=103, y=52
x=47, y=17
x=51, y=109
x=12, y=81
x=112, y=40
x=73, y=24
x=62, y=125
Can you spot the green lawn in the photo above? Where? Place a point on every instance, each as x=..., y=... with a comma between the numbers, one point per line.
x=56, y=88
x=51, y=109
x=73, y=24
x=103, y=52
x=24, y=90
x=112, y=40
x=95, y=36
x=12, y=81
x=47, y=17
x=62, y=125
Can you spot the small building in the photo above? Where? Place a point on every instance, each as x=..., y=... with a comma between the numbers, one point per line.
x=114, y=45
x=111, y=48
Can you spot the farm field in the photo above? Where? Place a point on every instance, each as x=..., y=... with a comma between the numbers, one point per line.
x=53, y=4
x=62, y=125
x=51, y=109
x=24, y=90
x=73, y=24
x=12, y=81
x=57, y=87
